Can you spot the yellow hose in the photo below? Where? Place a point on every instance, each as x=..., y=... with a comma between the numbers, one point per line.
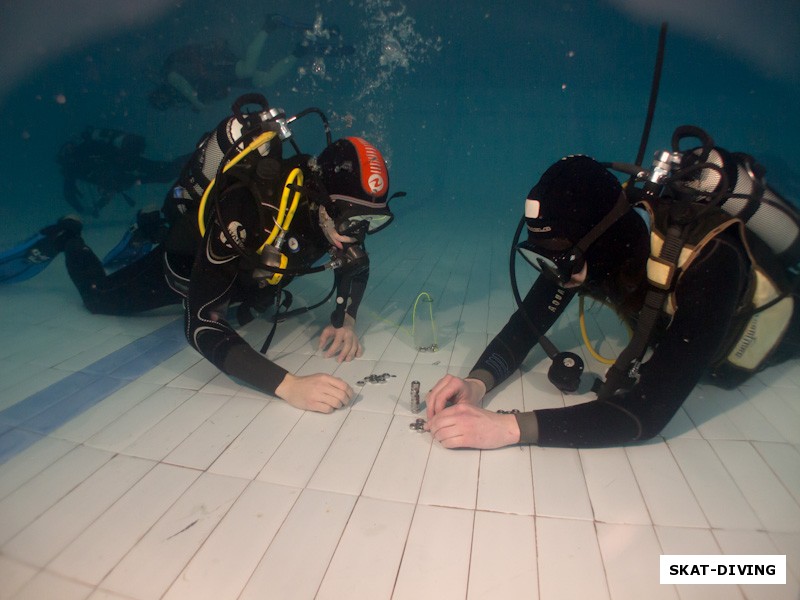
x=414, y=316
x=285, y=216
x=259, y=141
x=582, y=320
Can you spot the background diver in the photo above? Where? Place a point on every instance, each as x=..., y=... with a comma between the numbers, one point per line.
x=111, y=161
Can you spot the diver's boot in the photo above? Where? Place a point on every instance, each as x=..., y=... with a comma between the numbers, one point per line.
x=54, y=237
x=151, y=225
x=86, y=271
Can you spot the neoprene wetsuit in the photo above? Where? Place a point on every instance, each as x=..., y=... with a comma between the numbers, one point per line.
x=707, y=297
x=210, y=281
x=109, y=168
x=221, y=274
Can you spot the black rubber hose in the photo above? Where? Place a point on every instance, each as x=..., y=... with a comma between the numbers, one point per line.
x=651, y=106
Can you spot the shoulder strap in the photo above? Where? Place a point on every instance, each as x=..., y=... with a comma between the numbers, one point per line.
x=685, y=223
x=623, y=372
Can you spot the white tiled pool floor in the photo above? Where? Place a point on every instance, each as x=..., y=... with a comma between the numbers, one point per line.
x=182, y=484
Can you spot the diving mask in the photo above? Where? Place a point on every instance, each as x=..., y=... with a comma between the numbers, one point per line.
x=356, y=216
x=359, y=225
x=556, y=258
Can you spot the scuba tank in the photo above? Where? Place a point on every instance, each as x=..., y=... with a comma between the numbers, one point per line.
x=262, y=131
x=693, y=195
x=697, y=181
x=765, y=213
x=278, y=185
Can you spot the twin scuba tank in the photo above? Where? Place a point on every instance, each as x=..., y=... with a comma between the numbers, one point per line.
x=712, y=177
x=695, y=182
x=735, y=182
x=264, y=132
x=765, y=213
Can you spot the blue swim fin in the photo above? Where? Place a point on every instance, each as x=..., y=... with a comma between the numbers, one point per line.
x=29, y=258
x=130, y=248
x=145, y=234
x=24, y=260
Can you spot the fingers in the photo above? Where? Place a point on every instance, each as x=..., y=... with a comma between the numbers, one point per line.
x=350, y=350
x=446, y=429
x=325, y=337
x=321, y=407
x=343, y=342
x=338, y=392
x=447, y=388
x=319, y=392
x=339, y=240
x=336, y=345
x=457, y=441
x=333, y=348
x=346, y=239
x=330, y=393
x=333, y=236
x=467, y=426
x=434, y=401
x=330, y=335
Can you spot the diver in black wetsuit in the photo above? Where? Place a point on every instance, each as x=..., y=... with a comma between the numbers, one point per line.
x=706, y=330
x=355, y=189
x=272, y=218
x=112, y=162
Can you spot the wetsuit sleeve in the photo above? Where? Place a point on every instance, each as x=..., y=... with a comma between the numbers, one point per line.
x=353, y=283
x=707, y=296
x=214, y=274
x=357, y=289
x=543, y=304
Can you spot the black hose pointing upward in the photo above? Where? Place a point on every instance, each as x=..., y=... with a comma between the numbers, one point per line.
x=651, y=106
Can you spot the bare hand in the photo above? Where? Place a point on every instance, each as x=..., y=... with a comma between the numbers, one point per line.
x=341, y=341
x=329, y=229
x=467, y=426
x=319, y=392
x=456, y=391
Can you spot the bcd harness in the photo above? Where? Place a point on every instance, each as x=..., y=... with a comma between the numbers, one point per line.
x=278, y=195
x=682, y=227
x=683, y=221
x=688, y=208
x=266, y=183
